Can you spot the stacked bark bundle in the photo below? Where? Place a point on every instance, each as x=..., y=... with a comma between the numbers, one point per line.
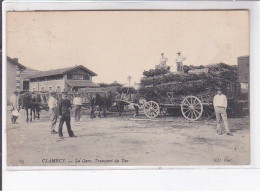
x=194, y=81
x=154, y=72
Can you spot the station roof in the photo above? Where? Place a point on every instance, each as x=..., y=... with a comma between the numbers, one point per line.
x=62, y=71
x=81, y=83
x=15, y=61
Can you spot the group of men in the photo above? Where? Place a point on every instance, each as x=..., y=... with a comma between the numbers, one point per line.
x=179, y=60
x=60, y=111
x=219, y=101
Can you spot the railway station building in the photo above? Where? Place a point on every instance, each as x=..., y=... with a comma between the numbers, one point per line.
x=65, y=79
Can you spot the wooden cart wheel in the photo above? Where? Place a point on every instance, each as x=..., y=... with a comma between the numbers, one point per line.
x=208, y=112
x=191, y=108
x=151, y=109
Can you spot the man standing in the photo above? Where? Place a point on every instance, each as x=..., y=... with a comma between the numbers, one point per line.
x=179, y=61
x=220, y=106
x=14, y=100
x=163, y=60
x=53, y=111
x=64, y=107
x=77, y=102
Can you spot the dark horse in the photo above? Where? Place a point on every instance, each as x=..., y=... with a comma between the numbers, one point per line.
x=30, y=101
x=104, y=102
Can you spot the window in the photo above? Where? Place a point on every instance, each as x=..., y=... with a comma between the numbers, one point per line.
x=244, y=85
x=78, y=77
x=50, y=88
x=25, y=85
x=42, y=88
x=86, y=77
x=58, y=89
x=54, y=77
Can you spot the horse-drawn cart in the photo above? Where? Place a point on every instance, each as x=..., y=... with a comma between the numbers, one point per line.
x=192, y=107
x=190, y=93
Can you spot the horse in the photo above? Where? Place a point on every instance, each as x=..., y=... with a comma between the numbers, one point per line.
x=30, y=101
x=107, y=102
x=104, y=102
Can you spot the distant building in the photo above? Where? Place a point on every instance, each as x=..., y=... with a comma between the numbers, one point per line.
x=24, y=81
x=14, y=70
x=243, y=75
x=66, y=79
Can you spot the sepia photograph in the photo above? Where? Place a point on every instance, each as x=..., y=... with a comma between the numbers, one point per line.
x=127, y=88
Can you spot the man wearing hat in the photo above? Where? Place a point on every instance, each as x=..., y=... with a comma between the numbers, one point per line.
x=77, y=102
x=179, y=61
x=220, y=106
x=64, y=107
x=15, y=107
x=53, y=103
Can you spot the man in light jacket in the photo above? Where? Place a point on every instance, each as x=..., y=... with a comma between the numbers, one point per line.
x=179, y=61
x=163, y=60
x=77, y=102
x=15, y=107
x=220, y=106
x=53, y=103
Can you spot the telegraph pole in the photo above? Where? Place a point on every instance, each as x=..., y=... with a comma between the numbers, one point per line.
x=129, y=80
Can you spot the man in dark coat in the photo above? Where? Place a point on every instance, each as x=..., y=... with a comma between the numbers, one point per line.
x=64, y=108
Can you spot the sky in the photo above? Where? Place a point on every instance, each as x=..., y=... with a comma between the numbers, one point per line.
x=116, y=44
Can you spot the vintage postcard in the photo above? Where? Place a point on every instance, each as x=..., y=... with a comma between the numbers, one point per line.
x=127, y=88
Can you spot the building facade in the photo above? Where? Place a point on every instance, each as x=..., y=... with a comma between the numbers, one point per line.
x=13, y=70
x=24, y=81
x=243, y=75
x=66, y=79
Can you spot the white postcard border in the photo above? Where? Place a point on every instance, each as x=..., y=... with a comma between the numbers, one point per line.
x=253, y=7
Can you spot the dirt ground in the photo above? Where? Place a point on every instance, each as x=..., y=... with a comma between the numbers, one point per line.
x=127, y=141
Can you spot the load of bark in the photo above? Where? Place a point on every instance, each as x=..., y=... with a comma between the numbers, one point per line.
x=194, y=80
x=158, y=71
